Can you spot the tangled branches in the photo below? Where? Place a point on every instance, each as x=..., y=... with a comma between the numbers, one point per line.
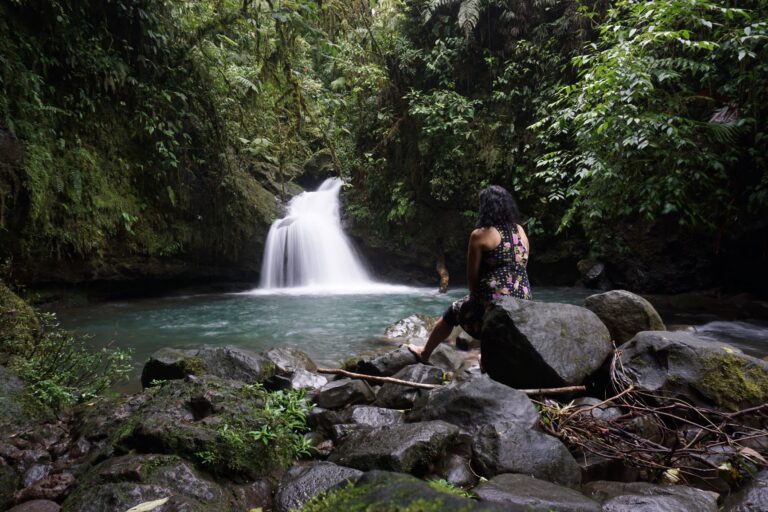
x=666, y=438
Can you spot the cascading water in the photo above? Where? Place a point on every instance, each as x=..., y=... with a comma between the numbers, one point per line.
x=308, y=248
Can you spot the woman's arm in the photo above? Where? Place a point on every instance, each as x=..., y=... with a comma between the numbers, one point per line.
x=474, y=254
x=524, y=238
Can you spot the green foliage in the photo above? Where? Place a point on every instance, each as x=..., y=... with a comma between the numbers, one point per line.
x=270, y=436
x=60, y=369
x=443, y=485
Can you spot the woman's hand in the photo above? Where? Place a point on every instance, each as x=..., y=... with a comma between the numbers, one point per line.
x=418, y=352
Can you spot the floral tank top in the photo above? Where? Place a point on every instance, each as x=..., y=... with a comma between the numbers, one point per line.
x=503, y=269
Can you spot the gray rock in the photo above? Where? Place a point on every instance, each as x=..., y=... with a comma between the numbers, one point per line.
x=604, y=412
x=408, y=448
x=298, y=379
x=624, y=313
x=35, y=473
x=509, y=448
x=9, y=482
x=521, y=493
x=288, y=359
x=388, y=364
x=753, y=497
x=645, y=497
x=396, y=396
x=456, y=470
x=474, y=402
x=414, y=326
x=706, y=373
x=226, y=362
x=339, y=393
x=348, y=419
x=374, y=416
x=529, y=344
x=301, y=483
x=446, y=358
x=123, y=482
x=36, y=506
x=383, y=490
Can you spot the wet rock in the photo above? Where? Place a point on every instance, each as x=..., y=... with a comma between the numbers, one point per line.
x=17, y=413
x=704, y=372
x=35, y=473
x=589, y=405
x=474, y=402
x=397, y=396
x=753, y=497
x=388, y=364
x=18, y=321
x=299, y=379
x=226, y=362
x=529, y=344
x=521, y=493
x=124, y=482
x=9, y=481
x=9, y=452
x=288, y=359
x=373, y=416
x=36, y=506
x=456, y=470
x=446, y=358
x=624, y=313
x=339, y=393
x=593, y=274
x=52, y=487
x=645, y=497
x=414, y=326
x=407, y=448
x=301, y=483
x=347, y=419
x=255, y=495
x=383, y=490
x=510, y=448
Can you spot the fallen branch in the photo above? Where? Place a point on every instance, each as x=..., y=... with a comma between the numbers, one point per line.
x=392, y=380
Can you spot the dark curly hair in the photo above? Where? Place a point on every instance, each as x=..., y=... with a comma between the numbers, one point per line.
x=497, y=207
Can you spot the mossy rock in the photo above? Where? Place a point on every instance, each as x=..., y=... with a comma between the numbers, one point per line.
x=18, y=322
x=382, y=491
x=703, y=372
x=18, y=411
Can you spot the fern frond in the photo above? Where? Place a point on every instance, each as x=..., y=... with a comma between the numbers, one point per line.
x=247, y=84
x=469, y=15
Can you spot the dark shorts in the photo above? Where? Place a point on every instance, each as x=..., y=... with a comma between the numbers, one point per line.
x=467, y=312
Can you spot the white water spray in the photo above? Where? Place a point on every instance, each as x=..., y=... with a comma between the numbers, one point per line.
x=308, y=248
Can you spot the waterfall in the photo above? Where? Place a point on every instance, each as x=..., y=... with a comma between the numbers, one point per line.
x=308, y=248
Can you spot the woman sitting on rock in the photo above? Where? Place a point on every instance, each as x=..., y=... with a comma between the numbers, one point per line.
x=496, y=261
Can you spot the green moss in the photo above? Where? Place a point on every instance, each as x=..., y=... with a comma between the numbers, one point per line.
x=19, y=325
x=734, y=382
x=194, y=366
x=352, y=499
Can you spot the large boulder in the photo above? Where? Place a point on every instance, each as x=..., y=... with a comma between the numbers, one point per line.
x=753, y=497
x=522, y=493
x=624, y=313
x=447, y=358
x=343, y=392
x=226, y=362
x=510, y=448
x=123, y=482
x=397, y=396
x=288, y=359
x=387, y=364
x=530, y=344
x=302, y=483
x=407, y=448
x=645, y=497
x=384, y=491
x=414, y=326
x=475, y=402
x=702, y=371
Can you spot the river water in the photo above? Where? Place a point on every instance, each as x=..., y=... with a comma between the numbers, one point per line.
x=330, y=328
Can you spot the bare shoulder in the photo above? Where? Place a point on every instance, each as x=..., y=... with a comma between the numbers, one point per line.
x=487, y=237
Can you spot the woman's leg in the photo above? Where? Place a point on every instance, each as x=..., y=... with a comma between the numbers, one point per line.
x=440, y=332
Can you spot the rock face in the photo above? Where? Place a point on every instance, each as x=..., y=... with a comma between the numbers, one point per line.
x=645, y=497
x=338, y=393
x=408, y=448
x=530, y=344
x=509, y=448
x=386, y=492
x=396, y=396
x=521, y=493
x=301, y=483
x=753, y=497
x=624, y=313
x=702, y=371
x=124, y=482
x=226, y=362
x=475, y=402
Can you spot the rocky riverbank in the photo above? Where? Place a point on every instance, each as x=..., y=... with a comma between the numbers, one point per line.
x=221, y=428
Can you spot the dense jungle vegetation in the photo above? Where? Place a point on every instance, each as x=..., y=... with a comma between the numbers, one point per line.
x=155, y=138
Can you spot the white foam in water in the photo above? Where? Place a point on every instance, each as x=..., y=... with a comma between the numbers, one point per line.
x=307, y=251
